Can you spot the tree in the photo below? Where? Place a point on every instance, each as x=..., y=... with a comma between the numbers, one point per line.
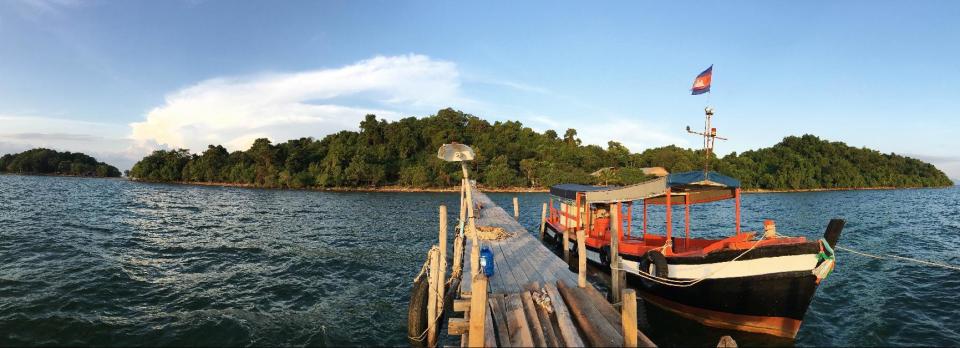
x=508, y=154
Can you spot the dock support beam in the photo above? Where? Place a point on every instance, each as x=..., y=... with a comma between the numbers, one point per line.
x=478, y=311
x=628, y=317
x=615, y=252
x=582, y=256
x=543, y=220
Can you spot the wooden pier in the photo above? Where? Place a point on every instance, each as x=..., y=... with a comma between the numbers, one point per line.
x=533, y=299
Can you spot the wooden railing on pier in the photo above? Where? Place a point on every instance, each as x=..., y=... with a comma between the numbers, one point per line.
x=533, y=299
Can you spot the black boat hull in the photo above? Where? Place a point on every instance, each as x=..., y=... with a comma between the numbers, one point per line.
x=766, y=291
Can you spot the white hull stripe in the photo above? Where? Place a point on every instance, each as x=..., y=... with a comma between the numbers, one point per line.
x=745, y=268
x=733, y=269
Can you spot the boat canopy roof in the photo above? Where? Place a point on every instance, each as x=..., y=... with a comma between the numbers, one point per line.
x=570, y=191
x=686, y=187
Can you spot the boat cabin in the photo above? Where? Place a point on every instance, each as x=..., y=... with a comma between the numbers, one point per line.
x=574, y=207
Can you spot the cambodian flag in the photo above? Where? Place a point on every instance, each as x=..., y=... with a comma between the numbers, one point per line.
x=702, y=84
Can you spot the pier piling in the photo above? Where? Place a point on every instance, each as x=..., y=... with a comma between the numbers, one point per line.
x=516, y=208
x=543, y=220
x=582, y=256
x=432, y=298
x=615, y=253
x=629, y=318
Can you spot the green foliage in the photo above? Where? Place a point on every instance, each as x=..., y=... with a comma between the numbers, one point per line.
x=509, y=155
x=46, y=161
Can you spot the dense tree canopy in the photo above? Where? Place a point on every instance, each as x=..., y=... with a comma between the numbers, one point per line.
x=511, y=155
x=46, y=161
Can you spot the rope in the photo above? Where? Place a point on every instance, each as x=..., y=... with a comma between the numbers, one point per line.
x=692, y=282
x=881, y=257
x=440, y=297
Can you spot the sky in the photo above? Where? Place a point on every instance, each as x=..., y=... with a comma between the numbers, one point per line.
x=118, y=79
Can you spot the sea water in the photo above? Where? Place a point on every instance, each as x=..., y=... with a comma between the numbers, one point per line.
x=118, y=263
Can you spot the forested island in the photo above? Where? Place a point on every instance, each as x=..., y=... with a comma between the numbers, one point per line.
x=403, y=153
x=51, y=162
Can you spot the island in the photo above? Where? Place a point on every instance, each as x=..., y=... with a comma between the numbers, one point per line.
x=42, y=161
x=402, y=153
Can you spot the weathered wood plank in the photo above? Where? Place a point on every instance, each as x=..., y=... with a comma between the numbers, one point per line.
x=489, y=339
x=549, y=333
x=517, y=322
x=500, y=319
x=594, y=326
x=533, y=320
x=568, y=331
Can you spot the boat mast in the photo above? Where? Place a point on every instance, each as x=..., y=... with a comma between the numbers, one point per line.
x=709, y=138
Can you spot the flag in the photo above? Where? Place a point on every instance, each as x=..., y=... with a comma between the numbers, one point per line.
x=702, y=84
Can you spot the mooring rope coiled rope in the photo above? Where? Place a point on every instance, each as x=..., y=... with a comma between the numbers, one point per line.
x=882, y=257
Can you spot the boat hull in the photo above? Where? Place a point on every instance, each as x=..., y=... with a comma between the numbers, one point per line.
x=765, y=291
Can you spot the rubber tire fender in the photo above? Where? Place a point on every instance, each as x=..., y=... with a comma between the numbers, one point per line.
x=658, y=262
x=417, y=312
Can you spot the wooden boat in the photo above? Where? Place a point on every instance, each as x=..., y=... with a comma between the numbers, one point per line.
x=761, y=283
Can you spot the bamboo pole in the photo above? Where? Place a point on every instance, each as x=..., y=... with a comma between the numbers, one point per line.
x=516, y=208
x=582, y=256
x=629, y=318
x=432, y=297
x=615, y=252
x=478, y=304
x=543, y=220
x=443, y=254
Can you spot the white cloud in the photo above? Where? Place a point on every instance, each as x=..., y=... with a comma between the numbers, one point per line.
x=234, y=111
x=105, y=141
x=635, y=134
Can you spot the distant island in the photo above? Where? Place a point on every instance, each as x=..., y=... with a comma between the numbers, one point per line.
x=50, y=162
x=509, y=155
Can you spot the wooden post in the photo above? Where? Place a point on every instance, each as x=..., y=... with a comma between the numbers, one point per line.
x=516, y=208
x=434, y=281
x=443, y=255
x=463, y=203
x=669, y=221
x=628, y=316
x=566, y=245
x=737, y=213
x=582, y=255
x=543, y=220
x=615, y=252
x=478, y=304
x=472, y=226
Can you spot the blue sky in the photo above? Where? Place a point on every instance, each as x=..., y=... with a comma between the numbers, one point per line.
x=120, y=78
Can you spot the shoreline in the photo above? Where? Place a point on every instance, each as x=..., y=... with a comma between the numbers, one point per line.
x=403, y=189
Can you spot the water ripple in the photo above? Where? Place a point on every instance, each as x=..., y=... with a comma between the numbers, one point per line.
x=117, y=263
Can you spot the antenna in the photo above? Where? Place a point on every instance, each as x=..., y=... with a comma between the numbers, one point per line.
x=709, y=137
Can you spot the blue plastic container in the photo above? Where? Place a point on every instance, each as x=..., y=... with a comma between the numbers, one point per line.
x=486, y=261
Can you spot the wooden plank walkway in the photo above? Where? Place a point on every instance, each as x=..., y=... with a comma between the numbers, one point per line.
x=518, y=260
x=533, y=298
